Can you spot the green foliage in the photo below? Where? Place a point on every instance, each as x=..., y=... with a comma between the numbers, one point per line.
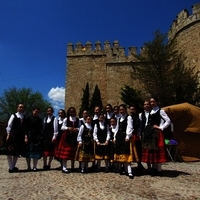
x=85, y=100
x=96, y=99
x=131, y=96
x=163, y=74
x=13, y=96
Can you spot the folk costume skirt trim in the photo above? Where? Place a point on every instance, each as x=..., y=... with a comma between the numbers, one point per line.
x=101, y=152
x=158, y=155
x=132, y=157
x=83, y=156
x=67, y=147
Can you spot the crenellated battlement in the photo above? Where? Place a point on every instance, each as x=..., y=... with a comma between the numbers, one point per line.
x=183, y=20
x=113, y=53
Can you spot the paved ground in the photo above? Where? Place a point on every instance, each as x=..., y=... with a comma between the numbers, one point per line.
x=179, y=181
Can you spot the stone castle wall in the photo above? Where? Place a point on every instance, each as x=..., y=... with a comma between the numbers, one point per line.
x=111, y=69
x=185, y=30
x=107, y=67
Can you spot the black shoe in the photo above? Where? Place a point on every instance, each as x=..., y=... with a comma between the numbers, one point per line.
x=15, y=169
x=98, y=170
x=107, y=170
x=139, y=168
x=82, y=171
x=155, y=172
x=10, y=171
x=46, y=167
x=35, y=169
x=66, y=171
x=122, y=173
x=28, y=169
x=130, y=175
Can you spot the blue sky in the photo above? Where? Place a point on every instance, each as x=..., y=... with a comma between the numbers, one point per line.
x=34, y=35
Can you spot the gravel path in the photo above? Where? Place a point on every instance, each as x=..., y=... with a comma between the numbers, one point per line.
x=179, y=181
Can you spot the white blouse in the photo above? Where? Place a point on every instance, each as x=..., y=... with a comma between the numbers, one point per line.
x=129, y=128
x=10, y=121
x=65, y=125
x=55, y=125
x=165, y=120
x=80, y=133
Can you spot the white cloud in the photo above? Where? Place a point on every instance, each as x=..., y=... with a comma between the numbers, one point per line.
x=57, y=98
x=57, y=94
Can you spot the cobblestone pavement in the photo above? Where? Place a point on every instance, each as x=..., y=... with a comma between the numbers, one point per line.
x=179, y=181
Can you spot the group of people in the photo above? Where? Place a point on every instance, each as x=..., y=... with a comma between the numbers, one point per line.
x=114, y=136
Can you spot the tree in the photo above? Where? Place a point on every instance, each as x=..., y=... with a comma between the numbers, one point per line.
x=13, y=96
x=163, y=74
x=96, y=99
x=131, y=96
x=85, y=100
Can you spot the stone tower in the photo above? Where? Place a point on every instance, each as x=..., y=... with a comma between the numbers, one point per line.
x=185, y=30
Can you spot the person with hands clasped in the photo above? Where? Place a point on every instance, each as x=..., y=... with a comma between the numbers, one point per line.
x=16, y=138
x=101, y=135
x=85, y=150
x=122, y=139
x=49, y=136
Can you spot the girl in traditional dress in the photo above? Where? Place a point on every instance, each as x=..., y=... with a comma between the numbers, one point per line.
x=101, y=135
x=15, y=138
x=85, y=151
x=68, y=143
x=153, y=144
x=34, y=128
x=122, y=139
x=113, y=131
x=95, y=120
x=49, y=137
x=62, y=116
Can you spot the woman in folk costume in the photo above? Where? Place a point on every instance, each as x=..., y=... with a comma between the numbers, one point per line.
x=62, y=116
x=16, y=138
x=137, y=144
x=34, y=128
x=122, y=139
x=49, y=136
x=153, y=144
x=143, y=116
x=68, y=143
x=101, y=135
x=85, y=151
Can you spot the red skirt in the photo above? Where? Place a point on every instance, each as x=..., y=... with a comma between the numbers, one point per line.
x=67, y=147
x=156, y=156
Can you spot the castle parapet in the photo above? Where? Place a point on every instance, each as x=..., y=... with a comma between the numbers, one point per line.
x=113, y=53
x=183, y=20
